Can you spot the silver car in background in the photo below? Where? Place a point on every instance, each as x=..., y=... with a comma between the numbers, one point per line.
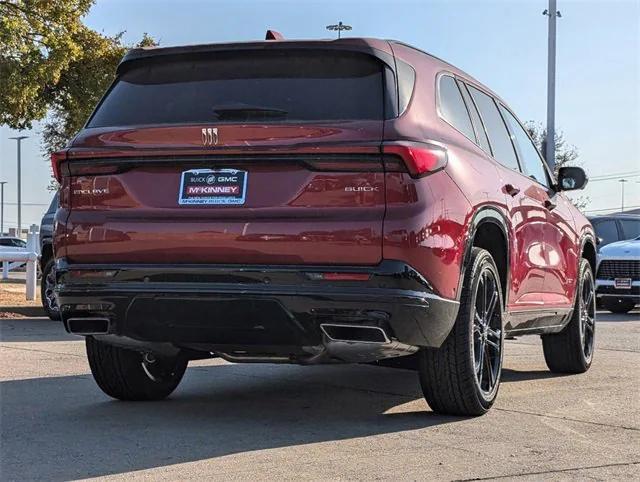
x=618, y=275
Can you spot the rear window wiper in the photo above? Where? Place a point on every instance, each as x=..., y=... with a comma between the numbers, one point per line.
x=246, y=112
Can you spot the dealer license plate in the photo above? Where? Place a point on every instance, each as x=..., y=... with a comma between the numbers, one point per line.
x=213, y=187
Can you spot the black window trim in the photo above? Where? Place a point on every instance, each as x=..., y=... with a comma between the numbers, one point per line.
x=484, y=128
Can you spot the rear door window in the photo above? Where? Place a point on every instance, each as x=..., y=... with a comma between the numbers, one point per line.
x=264, y=87
x=452, y=106
x=499, y=137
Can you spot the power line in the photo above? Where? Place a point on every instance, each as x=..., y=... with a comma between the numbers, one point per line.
x=610, y=209
x=617, y=175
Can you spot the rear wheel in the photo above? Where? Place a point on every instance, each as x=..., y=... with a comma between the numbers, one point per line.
x=619, y=305
x=462, y=377
x=571, y=350
x=130, y=375
x=47, y=295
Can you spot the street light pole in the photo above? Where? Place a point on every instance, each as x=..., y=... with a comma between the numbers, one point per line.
x=2, y=183
x=19, y=141
x=550, y=147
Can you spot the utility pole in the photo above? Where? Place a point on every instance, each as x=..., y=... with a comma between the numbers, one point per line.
x=622, y=183
x=550, y=148
x=19, y=139
x=339, y=27
x=2, y=183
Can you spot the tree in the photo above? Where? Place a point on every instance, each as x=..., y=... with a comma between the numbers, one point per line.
x=53, y=67
x=566, y=154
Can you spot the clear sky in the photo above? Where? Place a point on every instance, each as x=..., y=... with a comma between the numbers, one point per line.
x=501, y=43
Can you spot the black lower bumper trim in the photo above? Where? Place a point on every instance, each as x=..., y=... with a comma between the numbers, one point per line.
x=253, y=306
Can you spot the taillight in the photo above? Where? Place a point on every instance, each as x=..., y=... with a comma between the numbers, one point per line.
x=419, y=158
x=56, y=160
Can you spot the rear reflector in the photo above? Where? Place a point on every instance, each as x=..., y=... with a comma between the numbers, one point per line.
x=421, y=159
x=339, y=276
x=95, y=274
x=56, y=160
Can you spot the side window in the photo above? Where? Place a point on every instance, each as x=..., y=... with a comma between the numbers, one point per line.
x=499, y=137
x=452, y=106
x=481, y=133
x=607, y=230
x=530, y=160
x=630, y=228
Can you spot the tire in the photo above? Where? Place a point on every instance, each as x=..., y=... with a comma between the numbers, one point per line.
x=122, y=373
x=571, y=350
x=453, y=376
x=47, y=296
x=619, y=305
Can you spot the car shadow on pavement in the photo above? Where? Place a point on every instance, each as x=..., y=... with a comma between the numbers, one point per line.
x=509, y=375
x=65, y=428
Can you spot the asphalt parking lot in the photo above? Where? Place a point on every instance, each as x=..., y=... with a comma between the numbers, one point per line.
x=329, y=422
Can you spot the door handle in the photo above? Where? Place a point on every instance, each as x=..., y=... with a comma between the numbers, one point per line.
x=549, y=205
x=511, y=189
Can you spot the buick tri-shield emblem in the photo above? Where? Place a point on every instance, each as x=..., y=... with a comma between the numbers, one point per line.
x=209, y=136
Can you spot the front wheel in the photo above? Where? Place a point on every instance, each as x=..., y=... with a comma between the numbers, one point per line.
x=129, y=375
x=571, y=350
x=462, y=377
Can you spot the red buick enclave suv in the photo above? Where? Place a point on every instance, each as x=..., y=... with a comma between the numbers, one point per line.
x=315, y=202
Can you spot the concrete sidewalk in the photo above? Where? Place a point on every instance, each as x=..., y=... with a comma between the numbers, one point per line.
x=330, y=422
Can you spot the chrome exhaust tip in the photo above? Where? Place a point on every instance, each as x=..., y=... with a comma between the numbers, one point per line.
x=354, y=333
x=88, y=326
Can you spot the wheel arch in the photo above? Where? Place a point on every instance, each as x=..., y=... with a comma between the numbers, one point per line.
x=46, y=253
x=488, y=229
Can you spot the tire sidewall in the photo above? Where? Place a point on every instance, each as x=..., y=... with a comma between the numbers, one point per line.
x=585, y=271
x=483, y=261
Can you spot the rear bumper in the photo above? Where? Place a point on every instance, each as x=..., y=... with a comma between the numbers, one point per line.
x=253, y=308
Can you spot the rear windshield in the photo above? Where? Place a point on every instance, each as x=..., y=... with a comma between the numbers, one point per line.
x=277, y=86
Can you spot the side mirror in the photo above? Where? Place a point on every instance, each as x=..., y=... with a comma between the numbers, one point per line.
x=571, y=178
x=599, y=241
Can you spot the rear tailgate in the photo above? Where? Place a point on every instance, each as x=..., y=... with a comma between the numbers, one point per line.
x=253, y=186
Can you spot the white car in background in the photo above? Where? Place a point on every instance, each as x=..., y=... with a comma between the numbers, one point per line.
x=11, y=243
x=618, y=278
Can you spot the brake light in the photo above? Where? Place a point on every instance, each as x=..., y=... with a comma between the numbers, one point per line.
x=56, y=160
x=419, y=158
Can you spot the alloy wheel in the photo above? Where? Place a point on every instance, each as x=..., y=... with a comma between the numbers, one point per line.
x=487, y=333
x=49, y=294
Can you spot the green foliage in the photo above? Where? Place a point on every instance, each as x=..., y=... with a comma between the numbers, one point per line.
x=53, y=67
x=38, y=42
x=566, y=154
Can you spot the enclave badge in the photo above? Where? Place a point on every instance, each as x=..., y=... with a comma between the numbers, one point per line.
x=209, y=136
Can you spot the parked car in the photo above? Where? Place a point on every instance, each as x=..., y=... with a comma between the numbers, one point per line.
x=611, y=228
x=315, y=202
x=618, y=279
x=11, y=243
x=47, y=262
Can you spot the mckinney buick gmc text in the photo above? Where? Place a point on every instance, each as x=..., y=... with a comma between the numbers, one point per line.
x=311, y=202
